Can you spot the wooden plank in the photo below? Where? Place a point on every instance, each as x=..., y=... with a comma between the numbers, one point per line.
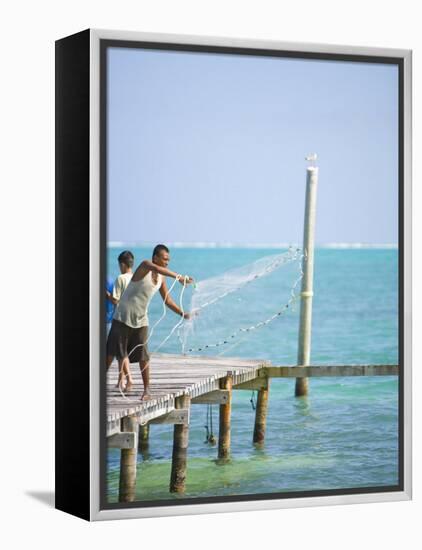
x=203, y=359
x=123, y=440
x=177, y=416
x=113, y=426
x=331, y=370
x=217, y=397
x=260, y=383
x=150, y=415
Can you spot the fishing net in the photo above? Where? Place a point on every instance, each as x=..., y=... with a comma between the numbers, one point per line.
x=227, y=308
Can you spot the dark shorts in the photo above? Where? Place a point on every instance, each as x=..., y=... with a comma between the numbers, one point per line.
x=122, y=340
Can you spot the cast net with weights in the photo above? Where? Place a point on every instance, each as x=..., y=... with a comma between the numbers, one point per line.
x=230, y=307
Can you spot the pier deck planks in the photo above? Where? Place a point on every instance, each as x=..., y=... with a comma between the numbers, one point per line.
x=172, y=376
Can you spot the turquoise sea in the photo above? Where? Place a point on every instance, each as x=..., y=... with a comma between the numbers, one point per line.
x=343, y=435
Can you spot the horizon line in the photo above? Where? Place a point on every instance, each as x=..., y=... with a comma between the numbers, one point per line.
x=204, y=244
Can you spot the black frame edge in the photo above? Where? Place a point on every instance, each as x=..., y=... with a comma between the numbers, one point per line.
x=72, y=334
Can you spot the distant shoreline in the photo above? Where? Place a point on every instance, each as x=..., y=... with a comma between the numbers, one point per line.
x=206, y=245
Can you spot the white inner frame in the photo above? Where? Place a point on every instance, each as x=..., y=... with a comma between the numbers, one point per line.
x=96, y=292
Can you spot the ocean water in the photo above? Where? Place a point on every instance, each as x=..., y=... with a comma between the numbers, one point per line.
x=343, y=435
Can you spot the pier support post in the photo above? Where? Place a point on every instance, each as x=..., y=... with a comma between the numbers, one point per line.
x=128, y=457
x=224, y=428
x=180, y=449
x=261, y=416
x=143, y=439
x=304, y=344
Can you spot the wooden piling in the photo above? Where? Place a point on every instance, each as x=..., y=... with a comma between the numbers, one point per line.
x=128, y=457
x=225, y=417
x=261, y=416
x=304, y=344
x=143, y=439
x=180, y=449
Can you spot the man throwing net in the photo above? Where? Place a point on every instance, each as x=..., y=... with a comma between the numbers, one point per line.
x=129, y=330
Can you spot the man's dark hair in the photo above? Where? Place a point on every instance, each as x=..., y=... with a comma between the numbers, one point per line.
x=126, y=257
x=159, y=248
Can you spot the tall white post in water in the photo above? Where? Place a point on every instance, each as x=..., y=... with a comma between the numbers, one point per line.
x=305, y=327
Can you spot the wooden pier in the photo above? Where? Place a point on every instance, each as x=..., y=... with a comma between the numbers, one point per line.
x=176, y=383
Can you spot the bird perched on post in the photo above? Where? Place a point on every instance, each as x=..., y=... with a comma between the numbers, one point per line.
x=312, y=159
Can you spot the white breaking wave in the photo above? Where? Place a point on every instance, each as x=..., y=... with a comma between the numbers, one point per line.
x=269, y=246
x=359, y=245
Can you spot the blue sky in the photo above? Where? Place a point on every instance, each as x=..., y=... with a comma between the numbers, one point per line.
x=210, y=148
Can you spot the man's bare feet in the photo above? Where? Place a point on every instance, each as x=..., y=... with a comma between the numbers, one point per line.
x=121, y=383
x=146, y=396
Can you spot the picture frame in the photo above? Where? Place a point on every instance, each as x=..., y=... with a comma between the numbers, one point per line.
x=84, y=423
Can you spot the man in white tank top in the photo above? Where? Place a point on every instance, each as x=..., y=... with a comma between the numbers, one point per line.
x=129, y=330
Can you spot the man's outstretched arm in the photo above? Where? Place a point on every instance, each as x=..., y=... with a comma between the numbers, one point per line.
x=147, y=265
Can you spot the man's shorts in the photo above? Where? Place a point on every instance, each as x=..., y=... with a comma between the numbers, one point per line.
x=126, y=341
